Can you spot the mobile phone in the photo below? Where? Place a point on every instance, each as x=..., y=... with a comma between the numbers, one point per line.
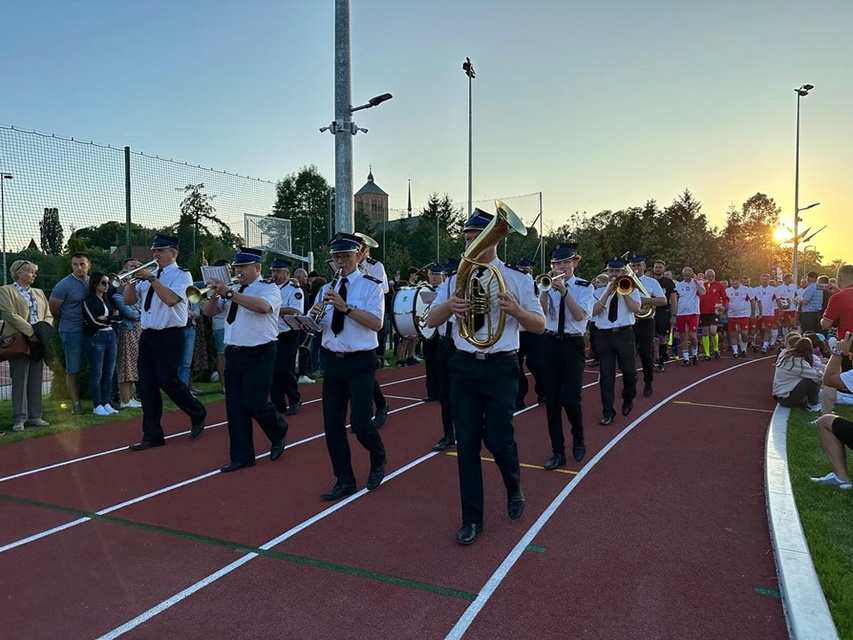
x=823, y=287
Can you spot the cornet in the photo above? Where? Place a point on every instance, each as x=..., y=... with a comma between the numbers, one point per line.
x=545, y=282
x=119, y=279
x=196, y=295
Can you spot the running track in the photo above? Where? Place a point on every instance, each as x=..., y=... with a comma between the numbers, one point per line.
x=661, y=532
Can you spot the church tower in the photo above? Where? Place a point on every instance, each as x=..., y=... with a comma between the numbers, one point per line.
x=372, y=200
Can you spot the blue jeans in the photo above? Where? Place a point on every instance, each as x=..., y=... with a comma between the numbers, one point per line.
x=72, y=344
x=187, y=356
x=101, y=354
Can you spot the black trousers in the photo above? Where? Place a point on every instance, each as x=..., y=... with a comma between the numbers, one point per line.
x=159, y=357
x=431, y=363
x=443, y=355
x=348, y=382
x=248, y=376
x=644, y=337
x=304, y=354
x=483, y=397
x=806, y=392
x=612, y=346
x=663, y=325
x=285, y=389
x=810, y=321
x=531, y=347
x=565, y=361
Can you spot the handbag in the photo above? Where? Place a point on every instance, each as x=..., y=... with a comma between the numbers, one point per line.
x=14, y=345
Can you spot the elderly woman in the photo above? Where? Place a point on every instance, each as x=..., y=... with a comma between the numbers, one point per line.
x=22, y=306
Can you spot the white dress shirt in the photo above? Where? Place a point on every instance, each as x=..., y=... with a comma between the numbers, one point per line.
x=364, y=293
x=160, y=315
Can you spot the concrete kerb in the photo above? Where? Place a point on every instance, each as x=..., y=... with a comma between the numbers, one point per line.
x=806, y=611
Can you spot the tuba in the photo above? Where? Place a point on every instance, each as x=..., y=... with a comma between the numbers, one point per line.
x=476, y=289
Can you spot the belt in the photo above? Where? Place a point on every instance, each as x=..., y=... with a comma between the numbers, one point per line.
x=168, y=328
x=616, y=329
x=351, y=354
x=490, y=356
x=554, y=334
x=237, y=347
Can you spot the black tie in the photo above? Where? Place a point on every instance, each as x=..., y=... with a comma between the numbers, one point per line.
x=232, y=310
x=150, y=295
x=561, y=329
x=338, y=316
x=613, y=312
x=479, y=318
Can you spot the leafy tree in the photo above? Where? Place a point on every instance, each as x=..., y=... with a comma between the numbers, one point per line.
x=304, y=198
x=52, y=236
x=197, y=215
x=747, y=245
x=112, y=234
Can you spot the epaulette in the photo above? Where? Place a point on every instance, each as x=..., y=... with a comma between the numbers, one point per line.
x=582, y=283
x=370, y=260
x=182, y=269
x=372, y=279
x=293, y=283
x=267, y=281
x=514, y=268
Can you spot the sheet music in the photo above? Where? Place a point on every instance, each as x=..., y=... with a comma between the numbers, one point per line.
x=209, y=273
x=301, y=323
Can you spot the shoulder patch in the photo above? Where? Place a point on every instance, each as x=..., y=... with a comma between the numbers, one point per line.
x=582, y=283
x=371, y=278
x=514, y=268
x=370, y=260
x=267, y=281
x=298, y=295
x=182, y=269
x=295, y=284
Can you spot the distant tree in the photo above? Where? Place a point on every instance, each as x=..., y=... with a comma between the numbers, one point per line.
x=747, y=238
x=197, y=215
x=304, y=199
x=112, y=234
x=52, y=236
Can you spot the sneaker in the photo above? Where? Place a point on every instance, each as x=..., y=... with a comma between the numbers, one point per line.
x=303, y=379
x=401, y=364
x=695, y=360
x=716, y=355
x=813, y=408
x=706, y=358
x=18, y=426
x=832, y=480
x=685, y=363
x=735, y=355
x=100, y=411
x=109, y=409
x=77, y=409
x=38, y=422
x=133, y=403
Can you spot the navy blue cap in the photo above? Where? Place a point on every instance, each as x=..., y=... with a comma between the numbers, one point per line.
x=436, y=268
x=525, y=263
x=451, y=266
x=478, y=221
x=637, y=259
x=247, y=255
x=564, y=251
x=164, y=242
x=615, y=263
x=344, y=242
x=280, y=263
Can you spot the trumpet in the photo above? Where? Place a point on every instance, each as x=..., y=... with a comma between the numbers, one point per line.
x=545, y=282
x=119, y=279
x=196, y=295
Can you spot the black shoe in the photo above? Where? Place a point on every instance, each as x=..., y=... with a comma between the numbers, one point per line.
x=276, y=450
x=519, y=406
x=515, y=504
x=557, y=460
x=540, y=399
x=593, y=362
x=659, y=367
x=338, y=491
x=627, y=406
x=706, y=358
x=606, y=420
x=429, y=399
x=77, y=409
x=468, y=533
x=376, y=476
x=685, y=363
x=236, y=466
x=444, y=443
x=196, y=430
x=292, y=409
x=647, y=390
x=146, y=444
x=578, y=451
x=716, y=355
x=695, y=360
x=380, y=417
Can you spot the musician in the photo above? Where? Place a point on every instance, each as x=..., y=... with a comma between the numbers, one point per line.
x=531, y=348
x=284, y=388
x=444, y=355
x=435, y=276
x=686, y=314
x=568, y=307
x=644, y=328
x=349, y=341
x=485, y=380
x=711, y=306
x=614, y=317
x=164, y=319
x=376, y=269
x=251, y=329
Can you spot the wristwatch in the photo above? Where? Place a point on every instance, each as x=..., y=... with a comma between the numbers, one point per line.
x=151, y=278
x=229, y=294
x=349, y=309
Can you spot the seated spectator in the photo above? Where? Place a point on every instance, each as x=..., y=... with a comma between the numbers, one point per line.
x=99, y=317
x=127, y=334
x=796, y=381
x=836, y=432
x=790, y=340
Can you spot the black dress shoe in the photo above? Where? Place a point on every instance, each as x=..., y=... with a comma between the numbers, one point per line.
x=627, y=406
x=444, y=443
x=557, y=460
x=292, y=409
x=540, y=400
x=196, y=430
x=468, y=533
x=375, y=477
x=276, y=450
x=515, y=504
x=429, y=399
x=606, y=420
x=578, y=451
x=146, y=444
x=647, y=390
x=338, y=491
x=236, y=466
x=380, y=417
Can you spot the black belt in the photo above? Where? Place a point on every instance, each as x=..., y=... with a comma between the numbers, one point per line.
x=237, y=347
x=490, y=356
x=351, y=354
x=616, y=329
x=559, y=336
x=168, y=329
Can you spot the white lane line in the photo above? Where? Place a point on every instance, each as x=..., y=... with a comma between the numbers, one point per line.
x=506, y=566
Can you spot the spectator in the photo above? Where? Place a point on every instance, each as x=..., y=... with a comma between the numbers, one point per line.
x=23, y=306
x=835, y=432
x=796, y=381
x=127, y=335
x=66, y=303
x=99, y=317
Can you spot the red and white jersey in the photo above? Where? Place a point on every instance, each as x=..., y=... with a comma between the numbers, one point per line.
x=766, y=297
x=740, y=301
x=787, y=292
x=688, y=298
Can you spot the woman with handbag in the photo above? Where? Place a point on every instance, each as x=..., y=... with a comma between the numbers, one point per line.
x=22, y=306
x=99, y=340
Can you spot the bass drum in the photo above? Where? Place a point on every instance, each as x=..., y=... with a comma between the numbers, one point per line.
x=411, y=305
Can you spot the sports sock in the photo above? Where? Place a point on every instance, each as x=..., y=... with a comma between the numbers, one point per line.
x=716, y=340
x=706, y=344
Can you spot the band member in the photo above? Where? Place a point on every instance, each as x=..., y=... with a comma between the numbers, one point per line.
x=285, y=389
x=164, y=318
x=251, y=329
x=644, y=328
x=614, y=316
x=485, y=379
x=430, y=345
x=686, y=314
x=356, y=306
x=531, y=348
x=444, y=355
x=741, y=316
x=711, y=305
x=376, y=269
x=663, y=314
x=568, y=307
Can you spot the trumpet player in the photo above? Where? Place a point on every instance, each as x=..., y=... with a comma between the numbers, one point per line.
x=568, y=307
x=614, y=315
x=644, y=328
x=285, y=389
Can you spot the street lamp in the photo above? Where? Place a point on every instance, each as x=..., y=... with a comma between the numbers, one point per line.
x=468, y=68
x=3, y=177
x=801, y=93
